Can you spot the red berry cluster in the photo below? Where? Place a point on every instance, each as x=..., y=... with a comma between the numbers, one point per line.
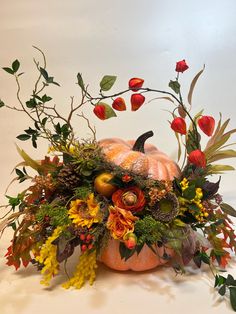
x=87, y=241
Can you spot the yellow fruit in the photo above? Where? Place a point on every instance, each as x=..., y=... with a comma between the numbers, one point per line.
x=102, y=185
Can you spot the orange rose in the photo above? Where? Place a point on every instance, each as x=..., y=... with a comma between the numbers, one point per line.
x=120, y=222
x=131, y=198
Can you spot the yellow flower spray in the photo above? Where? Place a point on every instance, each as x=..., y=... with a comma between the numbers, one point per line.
x=47, y=256
x=85, y=271
x=197, y=200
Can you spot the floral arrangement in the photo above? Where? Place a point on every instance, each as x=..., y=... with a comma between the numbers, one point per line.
x=123, y=203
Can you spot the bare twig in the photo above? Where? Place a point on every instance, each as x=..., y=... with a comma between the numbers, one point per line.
x=35, y=92
x=93, y=129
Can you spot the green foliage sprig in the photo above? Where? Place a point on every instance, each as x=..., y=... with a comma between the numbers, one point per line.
x=55, y=215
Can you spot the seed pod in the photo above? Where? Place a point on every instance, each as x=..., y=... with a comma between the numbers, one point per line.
x=136, y=101
x=135, y=83
x=179, y=125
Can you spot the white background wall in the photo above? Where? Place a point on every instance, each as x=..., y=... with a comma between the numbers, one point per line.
x=127, y=39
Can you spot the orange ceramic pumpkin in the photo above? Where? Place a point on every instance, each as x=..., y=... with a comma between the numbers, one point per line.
x=146, y=160
x=143, y=159
x=145, y=260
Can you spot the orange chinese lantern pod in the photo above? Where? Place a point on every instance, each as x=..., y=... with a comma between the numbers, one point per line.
x=137, y=101
x=207, y=125
x=181, y=66
x=135, y=83
x=179, y=125
x=100, y=112
x=198, y=158
x=119, y=104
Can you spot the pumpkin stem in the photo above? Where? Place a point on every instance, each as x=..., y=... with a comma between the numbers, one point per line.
x=139, y=144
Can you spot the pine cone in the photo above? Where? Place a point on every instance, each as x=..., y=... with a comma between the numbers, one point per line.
x=67, y=178
x=166, y=209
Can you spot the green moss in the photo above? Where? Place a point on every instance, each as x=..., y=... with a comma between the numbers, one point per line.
x=82, y=192
x=56, y=215
x=148, y=230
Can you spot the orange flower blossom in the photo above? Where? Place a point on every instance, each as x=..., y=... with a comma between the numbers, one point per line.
x=120, y=222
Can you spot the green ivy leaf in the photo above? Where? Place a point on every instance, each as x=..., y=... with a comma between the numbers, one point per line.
x=36, y=125
x=125, y=253
x=8, y=70
x=34, y=140
x=22, y=176
x=1, y=103
x=46, y=98
x=232, y=291
x=230, y=280
x=139, y=248
x=13, y=225
x=44, y=121
x=51, y=80
x=14, y=201
x=58, y=128
x=80, y=81
x=175, y=86
x=190, y=192
x=229, y=210
x=30, y=131
x=31, y=103
x=107, y=82
x=216, y=281
x=44, y=73
x=222, y=280
x=19, y=173
x=222, y=290
x=15, y=66
x=205, y=258
x=23, y=137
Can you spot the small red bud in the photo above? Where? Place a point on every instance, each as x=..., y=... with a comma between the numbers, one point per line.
x=126, y=178
x=83, y=247
x=207, y=125
x=88, y=237
x=136, y=101
x=82, y=237
x=135, y=83
x=100, y=112
x=90, y=246
x=179, y=125
x=130, y=240
x=119, y=104
x=46, y=218
x=198, y=158
x=181, y=66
